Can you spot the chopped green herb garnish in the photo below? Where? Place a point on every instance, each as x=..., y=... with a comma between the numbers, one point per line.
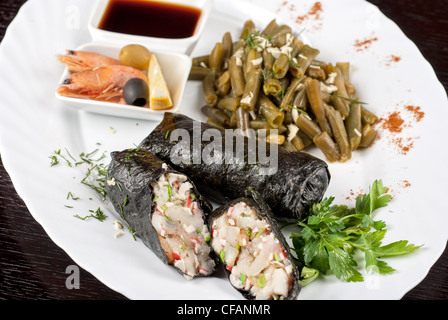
x=267, y=74
x=261, y=281
x=170, y=192
x=132, y=231
x=243, y=278
x=98, y=214
x=331, y=233
x=221, y=255
x=70, y=195
x=259, y=233
x=348, y=99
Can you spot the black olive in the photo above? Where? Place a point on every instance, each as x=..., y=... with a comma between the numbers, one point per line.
x=136, y=92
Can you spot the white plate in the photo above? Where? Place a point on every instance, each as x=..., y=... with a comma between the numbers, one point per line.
x=33, y=124
x=175, y=67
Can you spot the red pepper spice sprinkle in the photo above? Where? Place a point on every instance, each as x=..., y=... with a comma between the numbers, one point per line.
x=396, y=121
x=364, y=44
x=314, y=13
x=392, y=59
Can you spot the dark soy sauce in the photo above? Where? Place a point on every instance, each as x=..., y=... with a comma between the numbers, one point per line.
x=150, y=18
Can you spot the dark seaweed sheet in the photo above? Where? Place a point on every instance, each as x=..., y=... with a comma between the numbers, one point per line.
x=132, y=196
x=300, y=180
x=254, y=200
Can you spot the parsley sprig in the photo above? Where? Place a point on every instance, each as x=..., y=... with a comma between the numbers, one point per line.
x=331, y=234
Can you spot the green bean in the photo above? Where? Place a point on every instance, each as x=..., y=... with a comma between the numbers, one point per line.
x=269, y=30
x=289, y=146
x=367, y=116
x=280, y=36
x=316, y=72
x=272, y=86
x=298, y=143
x=339, y=133
x=208, y=88
x=227, y=46
x=248, y=29
x=329, y=148
x=268, y=60
x=317, y=104
x=275, y=138
x=345, y=69
x=283, y=63
x=242, y=119
x=304, y=59
x=214, y=123
x=201, y=61
x=300, y=99
x=308, y=126
x=340, y=101
x=228, y=103
x=215, y=114
x=253, y=61
x=251, y=90
x=236, y=77
x=232, y=120
x=307, y=141
x=353, y=126
x=292, y=88
x=368, y=136
x=216, y=59
x=259, y=124
x=270, y=111
x=223, y=83
x=198, y=73
x=288, y=117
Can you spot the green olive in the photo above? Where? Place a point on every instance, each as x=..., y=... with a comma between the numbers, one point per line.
x=136, y=56
x=136, y=92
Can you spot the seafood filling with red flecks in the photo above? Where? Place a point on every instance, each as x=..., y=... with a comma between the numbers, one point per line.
x=255, y=258
x=180, y=225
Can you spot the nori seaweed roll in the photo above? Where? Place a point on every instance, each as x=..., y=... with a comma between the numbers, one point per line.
x=299, y=180
x=164, y=209
x=253, y=250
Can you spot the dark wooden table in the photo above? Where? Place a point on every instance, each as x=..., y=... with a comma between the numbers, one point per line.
x=33, y=267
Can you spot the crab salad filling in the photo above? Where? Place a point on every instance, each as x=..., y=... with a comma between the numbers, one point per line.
x=181, y=227
x=255, y=258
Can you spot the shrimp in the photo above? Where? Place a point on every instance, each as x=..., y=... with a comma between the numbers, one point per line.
x=77, y=61
x=102, y=83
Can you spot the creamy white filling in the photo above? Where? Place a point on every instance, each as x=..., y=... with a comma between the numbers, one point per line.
x=178, y=220
x=254, y=256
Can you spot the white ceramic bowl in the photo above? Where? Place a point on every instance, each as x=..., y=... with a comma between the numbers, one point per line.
x=175, y=67
x=183, y=45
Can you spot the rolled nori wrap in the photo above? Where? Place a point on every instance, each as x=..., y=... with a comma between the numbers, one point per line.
x=253, y=250
x=290, y=183
x=164, y=208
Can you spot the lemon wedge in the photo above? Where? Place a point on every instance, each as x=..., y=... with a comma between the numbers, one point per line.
x=159, y=95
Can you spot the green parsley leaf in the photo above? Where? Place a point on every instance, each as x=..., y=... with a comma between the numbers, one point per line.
x=330, y=236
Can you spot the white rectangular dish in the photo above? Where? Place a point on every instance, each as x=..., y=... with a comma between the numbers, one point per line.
x=175, y=67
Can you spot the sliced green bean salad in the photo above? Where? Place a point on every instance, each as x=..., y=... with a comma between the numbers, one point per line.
x=269, y=79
